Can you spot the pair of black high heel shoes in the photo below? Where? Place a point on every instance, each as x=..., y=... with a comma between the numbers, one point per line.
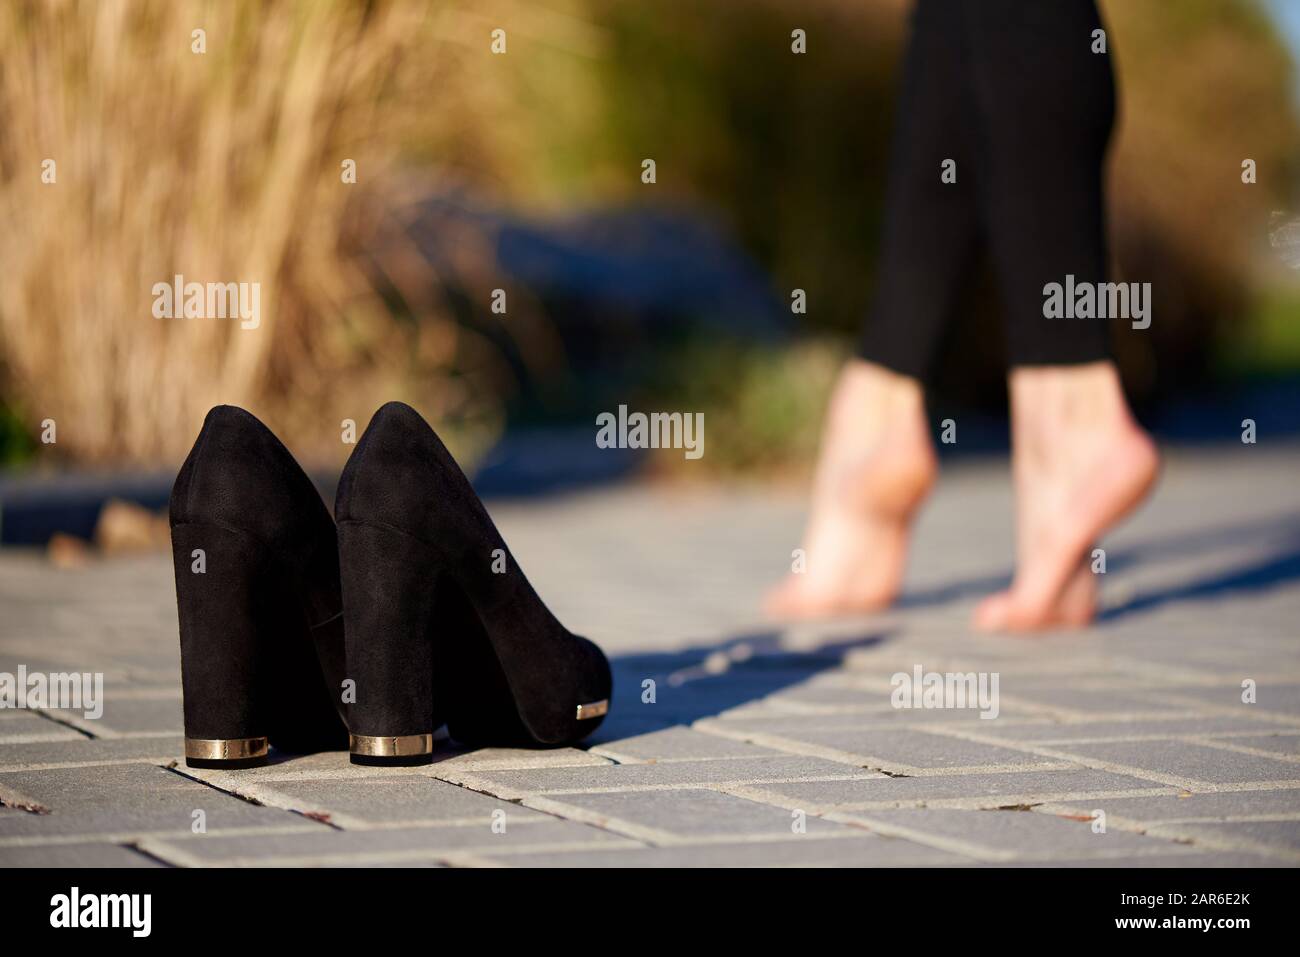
x=408, y=614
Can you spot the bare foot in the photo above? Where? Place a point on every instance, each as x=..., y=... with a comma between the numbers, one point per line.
x=1080, y=464
x=875, y=467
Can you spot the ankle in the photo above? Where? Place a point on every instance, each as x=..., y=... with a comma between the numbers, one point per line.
x=868, y=398
x=1051, y=405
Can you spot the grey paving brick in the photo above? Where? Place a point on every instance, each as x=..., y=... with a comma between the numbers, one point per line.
x=1272, y=838
x=509, y=759
x=678, y=744
x=691, y=813
x=387, y=800
x=387, y=844
x=405, y=862
x=1272, y=700
x=336, y=765
x=74, y=855
x=1067, y=699
x=1216, y=806
x=905, y=750
x=124, y=716
x=126, y=799
x=627, y=723
x=984, y=790
x=1188, y=762
x=1005, y=835
x=68, y=660
x=86, y=751
x=1051, y=732
x=865, y=850
x=1180, y=857
x=28, y=727
x=777, y=720
x=630, y=777
x=1287, y=744
x=824, y=697
x=305, y=767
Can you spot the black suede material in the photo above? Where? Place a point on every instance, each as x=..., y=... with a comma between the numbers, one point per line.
x=261, y=628
x=389, y=598
x=505, y=670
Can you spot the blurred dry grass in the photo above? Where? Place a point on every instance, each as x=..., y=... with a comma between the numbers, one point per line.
x=222, y=166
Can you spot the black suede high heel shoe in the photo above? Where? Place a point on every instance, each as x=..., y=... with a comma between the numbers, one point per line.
x=439, y=621
x=257, y=590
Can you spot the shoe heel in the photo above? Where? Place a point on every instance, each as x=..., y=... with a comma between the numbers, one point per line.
x=481, y=706
x=389, y=596
x=226, y=597
x=483, y=709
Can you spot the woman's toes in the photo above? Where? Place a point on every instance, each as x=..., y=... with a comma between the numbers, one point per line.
x=1010, y=611
x=795, y=599
x=993, y=613
x=782, y=599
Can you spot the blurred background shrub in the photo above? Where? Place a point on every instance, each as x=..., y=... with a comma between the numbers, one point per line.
x=522, y=172
x=221, y=165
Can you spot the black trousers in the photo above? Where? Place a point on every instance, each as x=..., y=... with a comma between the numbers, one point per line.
x=1010, y=90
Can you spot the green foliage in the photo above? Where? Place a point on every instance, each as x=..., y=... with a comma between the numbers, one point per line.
x=16, y=444
x=1267, y=344
x=762, y=404
x=790, y=148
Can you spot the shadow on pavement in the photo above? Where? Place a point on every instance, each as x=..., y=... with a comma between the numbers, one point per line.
x=704, y=680
x=1270, y=572
x=1275, y=570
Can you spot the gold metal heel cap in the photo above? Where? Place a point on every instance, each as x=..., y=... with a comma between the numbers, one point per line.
x=225, y=749
x=593, y=710
x=402, y=746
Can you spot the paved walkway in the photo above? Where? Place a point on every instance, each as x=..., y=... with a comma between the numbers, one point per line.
x=761, y=746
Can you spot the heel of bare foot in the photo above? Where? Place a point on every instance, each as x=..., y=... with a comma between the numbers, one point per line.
x=875, y=468
x=1074, y=607
x=1081, y=465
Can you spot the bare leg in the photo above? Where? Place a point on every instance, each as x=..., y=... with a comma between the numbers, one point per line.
x=875, y=467
x=1080, y=464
